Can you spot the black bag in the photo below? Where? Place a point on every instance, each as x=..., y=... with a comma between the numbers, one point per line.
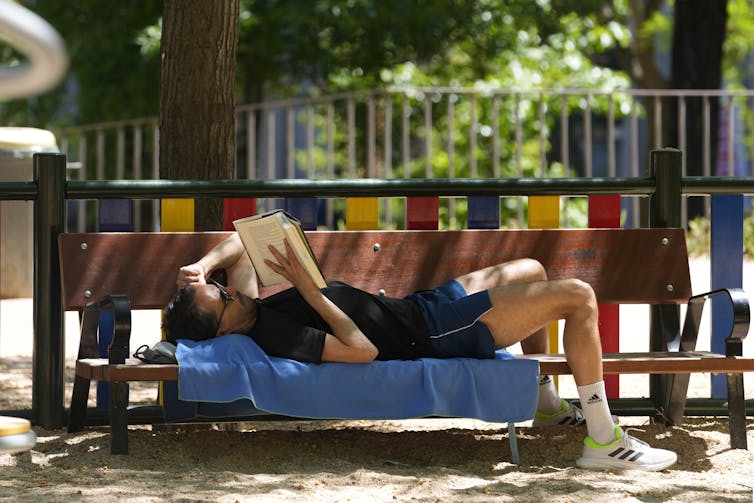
x=162, y=352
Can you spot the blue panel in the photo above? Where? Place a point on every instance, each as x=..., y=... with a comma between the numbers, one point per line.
x=72, y=214
x=726, y=258
x=305, y=209
x=115, y=215
x=484, y=212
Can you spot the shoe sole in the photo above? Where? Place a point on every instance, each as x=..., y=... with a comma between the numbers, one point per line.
x=609, y=464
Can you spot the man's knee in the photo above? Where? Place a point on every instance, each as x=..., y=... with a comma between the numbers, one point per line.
x=536, y=269
x=526, y=270
x=582, y=294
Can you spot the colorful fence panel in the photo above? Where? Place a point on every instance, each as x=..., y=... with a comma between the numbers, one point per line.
x=604, y=211
x=235, y=208
x=726, y=270
x=362, y=213
x=422, y=213
x=544, y=213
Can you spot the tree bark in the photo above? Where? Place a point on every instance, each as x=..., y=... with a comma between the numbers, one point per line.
x=698, y=37
x=197, y=83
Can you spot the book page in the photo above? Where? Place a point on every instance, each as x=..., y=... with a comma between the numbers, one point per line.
x=267, y=232
x=300, y=245
x=257, y=233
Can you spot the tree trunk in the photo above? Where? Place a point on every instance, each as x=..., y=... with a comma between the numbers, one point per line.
x=698, y=37
x=197, y=81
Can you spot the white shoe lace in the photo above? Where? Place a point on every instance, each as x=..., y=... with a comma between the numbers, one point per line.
x=631, y=440
x=576, y=412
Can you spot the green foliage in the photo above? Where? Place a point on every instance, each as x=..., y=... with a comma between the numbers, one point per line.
x=109, y=77
x=749, y=236
x=739, y=42
x=290, y=48
x=698, y=237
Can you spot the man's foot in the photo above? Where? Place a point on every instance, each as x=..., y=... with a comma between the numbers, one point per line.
x=624, y=453
x=568, y=415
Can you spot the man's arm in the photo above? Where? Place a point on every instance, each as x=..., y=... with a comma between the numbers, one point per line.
x=347, y=343
x=229, y=255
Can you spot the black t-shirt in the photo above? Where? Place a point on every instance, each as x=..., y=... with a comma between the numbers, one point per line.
x=287, y=326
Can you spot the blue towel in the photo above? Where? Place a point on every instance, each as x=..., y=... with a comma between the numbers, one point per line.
x=233, y=367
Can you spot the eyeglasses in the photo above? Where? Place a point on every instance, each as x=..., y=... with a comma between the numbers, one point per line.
x=226, y=296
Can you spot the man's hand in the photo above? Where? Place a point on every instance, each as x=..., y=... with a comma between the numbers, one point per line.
x=190, y=274
x=347, y=343
x=291, y=269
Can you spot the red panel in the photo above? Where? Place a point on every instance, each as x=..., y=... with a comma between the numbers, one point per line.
x=422, y=213
x=604, y=212
x=609, y=326
x=236, y=208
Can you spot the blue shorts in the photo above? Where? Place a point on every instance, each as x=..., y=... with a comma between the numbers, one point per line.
x=452, y=317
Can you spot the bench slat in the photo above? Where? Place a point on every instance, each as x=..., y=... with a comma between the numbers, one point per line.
x=613, y=363
x=622, y=265
x=99, y=369
x=658, y=362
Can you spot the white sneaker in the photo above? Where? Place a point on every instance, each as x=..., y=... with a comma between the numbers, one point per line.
x=625, y=453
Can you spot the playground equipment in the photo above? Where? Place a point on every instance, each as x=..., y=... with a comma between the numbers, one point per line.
x=33, y=37
x=47, y=63
x=16, y=435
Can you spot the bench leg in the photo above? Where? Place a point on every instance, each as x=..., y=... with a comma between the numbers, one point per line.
x=736, y=411
x=513, y=443
x=79, y=397
x=118, y=418
x=677, y=401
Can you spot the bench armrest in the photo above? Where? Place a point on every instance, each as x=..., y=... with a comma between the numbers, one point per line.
x=739, y=303
x=119, y=343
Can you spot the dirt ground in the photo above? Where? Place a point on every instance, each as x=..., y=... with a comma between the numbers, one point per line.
x=432, y=460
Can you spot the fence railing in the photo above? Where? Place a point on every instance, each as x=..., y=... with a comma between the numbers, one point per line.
x=439, y=132
x=50, y=191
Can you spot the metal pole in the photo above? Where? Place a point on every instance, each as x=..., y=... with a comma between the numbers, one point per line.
x=48, y=353
x=665, y=202
x=665, y=211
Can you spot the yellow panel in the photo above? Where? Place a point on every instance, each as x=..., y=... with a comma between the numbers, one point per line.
x=544, y=212
x=177, y=215
x=362, y=213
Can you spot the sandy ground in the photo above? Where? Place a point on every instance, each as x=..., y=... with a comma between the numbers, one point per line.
x=419, y=460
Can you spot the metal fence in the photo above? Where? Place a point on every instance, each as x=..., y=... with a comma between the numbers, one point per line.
x=50, y=190
x=437, y=132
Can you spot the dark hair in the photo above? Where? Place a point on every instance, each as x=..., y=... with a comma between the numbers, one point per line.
x=183, y=319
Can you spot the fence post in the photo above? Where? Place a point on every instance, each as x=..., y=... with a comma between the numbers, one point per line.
x=664, y=211
x=49, y=357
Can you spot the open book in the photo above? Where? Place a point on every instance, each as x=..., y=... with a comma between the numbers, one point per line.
x=259, y=231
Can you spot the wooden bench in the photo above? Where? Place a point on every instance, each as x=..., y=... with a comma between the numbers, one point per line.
x=125, y=271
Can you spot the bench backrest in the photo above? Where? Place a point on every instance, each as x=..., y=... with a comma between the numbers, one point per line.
x=622, y=265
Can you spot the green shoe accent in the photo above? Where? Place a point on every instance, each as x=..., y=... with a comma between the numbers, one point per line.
x=594, y=445
x=563, y=408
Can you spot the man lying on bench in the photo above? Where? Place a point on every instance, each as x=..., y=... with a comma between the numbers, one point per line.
x=469, y=316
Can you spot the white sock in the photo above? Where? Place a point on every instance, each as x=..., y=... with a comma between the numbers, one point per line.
x=548, y=399
x=599, y=422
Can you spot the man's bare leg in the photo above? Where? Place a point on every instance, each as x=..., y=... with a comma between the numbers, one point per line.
x=522, y=309
x=549, y=403
x=511, y=273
